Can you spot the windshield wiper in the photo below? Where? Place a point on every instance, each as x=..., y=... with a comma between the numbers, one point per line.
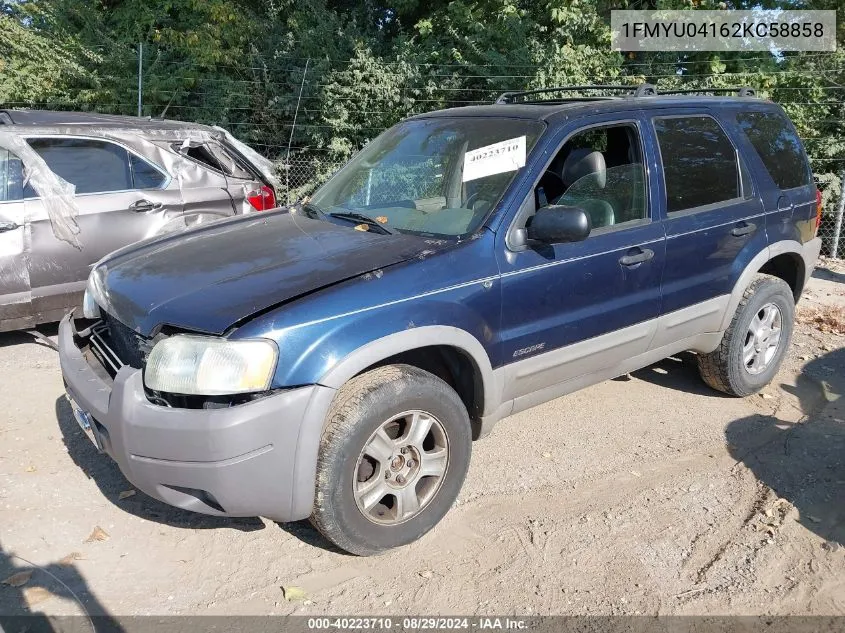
x=313, y=208
x=360, y=217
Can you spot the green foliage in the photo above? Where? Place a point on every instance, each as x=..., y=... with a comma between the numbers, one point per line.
x=39, y=62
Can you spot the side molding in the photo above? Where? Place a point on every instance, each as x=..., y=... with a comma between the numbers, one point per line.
x=415, y=338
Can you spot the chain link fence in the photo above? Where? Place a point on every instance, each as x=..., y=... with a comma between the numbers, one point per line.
x=832, y=229
x=304, y=172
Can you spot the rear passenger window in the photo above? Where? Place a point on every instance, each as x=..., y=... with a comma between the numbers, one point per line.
x=775, y=140
x=699, y=162
x=93, y=166
x=144, y=175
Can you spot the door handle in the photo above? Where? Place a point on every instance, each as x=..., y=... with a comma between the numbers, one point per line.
x=142, y=206
x=8, y=226
x=635, y=259
x=744, y=228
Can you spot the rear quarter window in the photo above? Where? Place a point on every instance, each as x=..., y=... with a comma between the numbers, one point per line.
x=776, y=142
x=216, y=157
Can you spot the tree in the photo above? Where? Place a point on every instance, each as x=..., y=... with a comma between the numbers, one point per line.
x=40, y=62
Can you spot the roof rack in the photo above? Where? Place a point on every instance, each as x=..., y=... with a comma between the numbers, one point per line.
x=641, y=90
x=744, y=91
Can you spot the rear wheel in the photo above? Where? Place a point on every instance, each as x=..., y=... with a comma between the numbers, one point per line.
x=756, y=341
x=392, y=460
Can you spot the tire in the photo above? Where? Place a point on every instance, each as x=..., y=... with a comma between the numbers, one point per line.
x=397, y=399
x=726, y=368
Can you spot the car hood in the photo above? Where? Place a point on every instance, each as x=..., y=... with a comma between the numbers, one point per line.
x=210, y=278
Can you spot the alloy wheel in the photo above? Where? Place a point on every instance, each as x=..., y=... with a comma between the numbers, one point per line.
x=762, y=339
x=401, y=467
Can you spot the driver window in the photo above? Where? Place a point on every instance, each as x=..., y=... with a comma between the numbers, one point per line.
x=600, y=170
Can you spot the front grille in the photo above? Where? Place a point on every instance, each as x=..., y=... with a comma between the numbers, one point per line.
x=129, y=347
x=106, y=358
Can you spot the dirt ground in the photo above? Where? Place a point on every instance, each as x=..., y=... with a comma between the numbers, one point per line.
x=646, y=495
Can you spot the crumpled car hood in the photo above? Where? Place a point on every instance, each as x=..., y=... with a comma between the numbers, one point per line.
x=210, y=278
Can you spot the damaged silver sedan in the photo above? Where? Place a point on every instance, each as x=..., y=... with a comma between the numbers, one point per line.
x=77, y=186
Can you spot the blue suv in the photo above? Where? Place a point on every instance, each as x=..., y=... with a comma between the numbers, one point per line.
x=335, y=360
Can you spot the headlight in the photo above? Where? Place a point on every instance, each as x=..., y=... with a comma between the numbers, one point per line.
x=207, y=366
x=90, y=309
x=94, y=295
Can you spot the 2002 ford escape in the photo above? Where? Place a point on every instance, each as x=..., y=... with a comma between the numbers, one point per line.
x=336, y=361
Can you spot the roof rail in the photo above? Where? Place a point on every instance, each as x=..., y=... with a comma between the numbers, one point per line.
x=744, y=91
x=641, y=90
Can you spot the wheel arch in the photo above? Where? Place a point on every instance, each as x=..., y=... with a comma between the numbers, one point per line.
x=787, y=259
x=790, y=267
x=450, y=353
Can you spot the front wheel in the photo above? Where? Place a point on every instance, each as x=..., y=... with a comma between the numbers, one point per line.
x=755, y=343
x=393, y=457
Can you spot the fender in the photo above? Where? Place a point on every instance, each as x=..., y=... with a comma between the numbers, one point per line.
x=809, y=253
x=423, y=336
x=355, y=362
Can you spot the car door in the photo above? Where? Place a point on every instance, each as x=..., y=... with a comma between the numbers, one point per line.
x=711, y=213
x=121, y=199
x=15, y=300
x=572, y=309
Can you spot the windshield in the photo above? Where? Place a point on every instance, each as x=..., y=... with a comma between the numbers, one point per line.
x=437, y=177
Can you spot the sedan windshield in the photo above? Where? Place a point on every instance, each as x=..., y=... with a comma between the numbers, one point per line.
x=437, y=177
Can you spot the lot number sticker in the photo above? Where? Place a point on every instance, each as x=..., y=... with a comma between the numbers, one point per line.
x=494, y=159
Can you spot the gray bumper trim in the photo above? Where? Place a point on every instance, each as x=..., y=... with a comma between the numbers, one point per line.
x=810, y=254
x=255, y=459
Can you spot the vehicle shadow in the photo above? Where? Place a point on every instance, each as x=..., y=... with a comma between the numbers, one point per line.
x=829, y=275
x=308, y=534
x=22, y=337
x=679, y=372
x=111, y=482
x=26, y=585
x=803, y=462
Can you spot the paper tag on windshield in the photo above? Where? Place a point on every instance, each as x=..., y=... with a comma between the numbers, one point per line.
x=494, y=159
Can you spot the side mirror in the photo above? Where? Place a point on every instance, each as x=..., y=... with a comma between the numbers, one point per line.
x=555, y=224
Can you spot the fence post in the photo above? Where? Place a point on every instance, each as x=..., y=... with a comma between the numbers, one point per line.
x=837, y=231
x=292, y=127
x=140, y=75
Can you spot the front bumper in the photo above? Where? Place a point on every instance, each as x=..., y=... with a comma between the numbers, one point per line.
x=254, y=459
